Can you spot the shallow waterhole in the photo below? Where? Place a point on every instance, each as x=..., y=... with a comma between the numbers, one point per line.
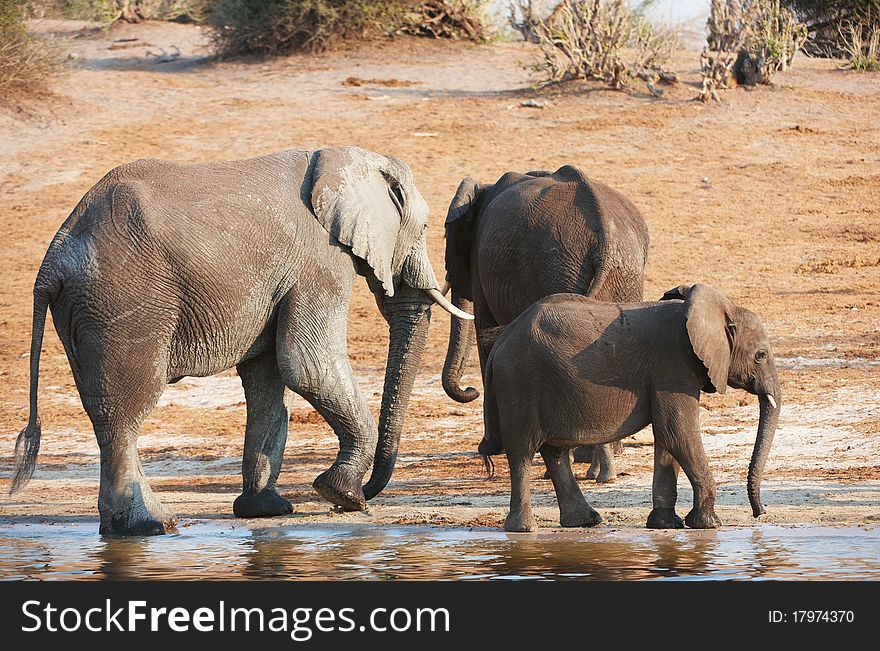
x=222, y=550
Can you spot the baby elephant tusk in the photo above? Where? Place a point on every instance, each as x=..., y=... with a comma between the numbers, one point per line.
x=771, y=400
x=446, y=305
x=446, y=287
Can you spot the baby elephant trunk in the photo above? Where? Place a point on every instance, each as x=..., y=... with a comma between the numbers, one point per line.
x=770, y=403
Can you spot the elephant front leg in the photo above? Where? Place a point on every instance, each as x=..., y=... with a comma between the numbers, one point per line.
x=313, y=362
x=665, y=492
x=574, y=510
x=265, y=435
x=676, y=421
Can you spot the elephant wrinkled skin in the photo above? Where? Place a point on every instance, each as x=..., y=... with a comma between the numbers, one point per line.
x=525, y=237
x=571, y=371
x=164, y=271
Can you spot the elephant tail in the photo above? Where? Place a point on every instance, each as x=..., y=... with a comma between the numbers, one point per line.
x=27, y=446
x=492, y=442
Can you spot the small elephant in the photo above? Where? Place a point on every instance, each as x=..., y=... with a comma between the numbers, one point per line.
x=164, y=271
x=525, y=237
x=572, y=371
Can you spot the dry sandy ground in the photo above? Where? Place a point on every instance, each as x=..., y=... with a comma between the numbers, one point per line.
x=773, y=197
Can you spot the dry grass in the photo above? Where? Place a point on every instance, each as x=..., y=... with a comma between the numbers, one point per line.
x=27, y=62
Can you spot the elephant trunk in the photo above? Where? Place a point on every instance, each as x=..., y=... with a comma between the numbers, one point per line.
x=461, y=340
x=408, y=321
x=770, y=403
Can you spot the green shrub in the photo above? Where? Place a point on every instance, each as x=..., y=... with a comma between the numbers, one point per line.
x=27, y=62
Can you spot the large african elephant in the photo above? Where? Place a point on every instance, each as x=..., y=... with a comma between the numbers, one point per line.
x=164, y=271
x=528, y=236
x=572, y=371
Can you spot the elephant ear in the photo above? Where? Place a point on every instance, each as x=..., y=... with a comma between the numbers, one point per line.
x=465, y=198
x=360, y=198
x=711, y=331
x=460, y=220
x=676, y=293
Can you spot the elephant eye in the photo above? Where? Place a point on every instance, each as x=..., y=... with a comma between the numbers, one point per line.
x=760, y=356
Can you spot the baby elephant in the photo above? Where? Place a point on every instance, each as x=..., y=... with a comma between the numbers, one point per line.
x=573, y=371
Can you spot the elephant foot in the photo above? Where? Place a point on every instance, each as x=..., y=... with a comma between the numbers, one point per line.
x=702, y=519
x=518, y=522
x=593, y=471
x=140, y=523
x=265, y=504
x=606, y=476
x=585, y=517
x=134, y=511
x=664, y=519
x=340, y=488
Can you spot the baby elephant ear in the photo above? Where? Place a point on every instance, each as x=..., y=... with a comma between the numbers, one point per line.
x=711, y=331
x=360, y=197
x=676, y=293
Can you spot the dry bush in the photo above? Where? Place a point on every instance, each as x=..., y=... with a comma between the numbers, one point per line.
x=275, y=27
x=453, y=19
x=748, y=41
x=27, y=61
x=830, y=24
x=108, y=11
x=861, y=47
x=597, y=39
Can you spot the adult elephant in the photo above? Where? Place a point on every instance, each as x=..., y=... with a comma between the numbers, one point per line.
x=164, y=271
x=525, y=237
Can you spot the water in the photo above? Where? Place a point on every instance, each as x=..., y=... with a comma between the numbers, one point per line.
x=221, y=550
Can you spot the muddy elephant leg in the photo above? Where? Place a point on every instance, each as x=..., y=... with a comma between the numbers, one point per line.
x=574, y=510
x=268, y=402
x=665, y=491
x=520, y=517
x=313, y=362
x=676, y=421
x=126, y=502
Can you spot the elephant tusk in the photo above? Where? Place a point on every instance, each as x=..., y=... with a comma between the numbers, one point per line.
x=446, y=305
x=771, y=400
x=446, y=287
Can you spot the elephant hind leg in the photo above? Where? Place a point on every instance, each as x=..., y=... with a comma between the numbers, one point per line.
x=574, y=510
x=117, y=409
x=520, y=517
x=265, y=435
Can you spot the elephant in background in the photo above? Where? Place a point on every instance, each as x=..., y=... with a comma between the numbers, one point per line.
x=572, y=371
x=525, y=237
x=164, y=271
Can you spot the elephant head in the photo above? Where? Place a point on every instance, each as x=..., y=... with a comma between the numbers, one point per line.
x=460, y=223
x=369, y=203
x=733, y=346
